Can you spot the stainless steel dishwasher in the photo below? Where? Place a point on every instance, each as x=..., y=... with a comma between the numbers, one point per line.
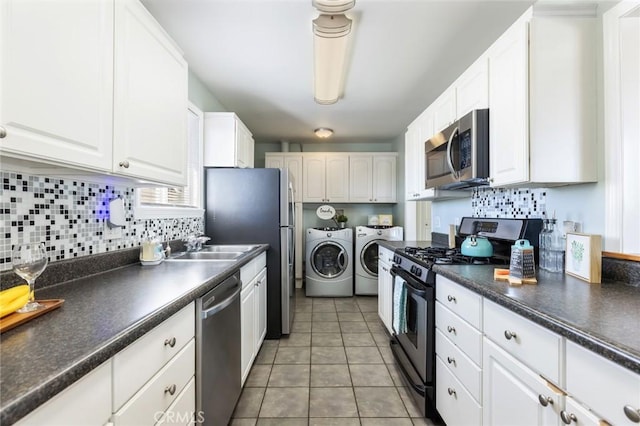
x=218, y=375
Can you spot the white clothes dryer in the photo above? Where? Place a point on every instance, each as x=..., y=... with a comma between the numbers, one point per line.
x=367, y=238
x=329, y=267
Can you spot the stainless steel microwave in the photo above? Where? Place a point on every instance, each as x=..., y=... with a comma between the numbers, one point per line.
x=458, y=156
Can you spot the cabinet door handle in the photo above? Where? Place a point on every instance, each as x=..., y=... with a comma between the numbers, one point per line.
x=170, y=389
x=545, y=400
x=451, y=360
x=451, y=298
x=3, y=132
x=451, y=329
x=170, y=342
x=124, y=164
x=509, y=334
x=451, y=391
x=567, y=418
x=632, y=413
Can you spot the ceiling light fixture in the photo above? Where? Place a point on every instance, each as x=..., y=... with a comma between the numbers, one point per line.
x=323, y=132
x=330, y=49
x=333, y=6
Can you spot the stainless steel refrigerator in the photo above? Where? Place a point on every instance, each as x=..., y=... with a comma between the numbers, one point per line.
x=256, y=206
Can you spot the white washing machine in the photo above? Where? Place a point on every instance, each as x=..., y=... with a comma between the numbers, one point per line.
x=329, y=267
x=367, y=238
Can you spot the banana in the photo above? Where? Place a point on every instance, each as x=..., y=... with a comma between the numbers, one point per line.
x=7, y=296
x=15, y=304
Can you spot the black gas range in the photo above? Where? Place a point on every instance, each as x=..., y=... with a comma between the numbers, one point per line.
x=414, y=281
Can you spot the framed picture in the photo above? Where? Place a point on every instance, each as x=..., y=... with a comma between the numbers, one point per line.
x=584, y=256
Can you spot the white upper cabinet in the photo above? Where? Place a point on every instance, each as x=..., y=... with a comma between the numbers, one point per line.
x=326, y=178
x=542, y=101
x=417, y=134
x=444, y=110
x=292, y=162
x=372, y=178
x=95, y=86
x=472, y=88
x=49, y=50
x=227, y=141
x=150, y=126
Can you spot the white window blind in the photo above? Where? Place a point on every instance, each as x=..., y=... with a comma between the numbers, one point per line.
x=178, y=201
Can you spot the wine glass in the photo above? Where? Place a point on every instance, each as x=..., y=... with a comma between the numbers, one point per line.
x=29, y=260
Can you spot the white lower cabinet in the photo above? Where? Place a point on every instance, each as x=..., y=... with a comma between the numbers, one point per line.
x=86, y=402
x=385, y=287
x=149, y=404
x=611, y=391
x=180, y=412
x=514, y=394
x=575, y=413
x=253, y=311
x=454, y=403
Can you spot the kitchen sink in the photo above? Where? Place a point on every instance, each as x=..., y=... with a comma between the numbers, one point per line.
x=227, y=248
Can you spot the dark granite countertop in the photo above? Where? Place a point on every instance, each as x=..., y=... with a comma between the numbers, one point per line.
x=604, y=318
x=101, y=315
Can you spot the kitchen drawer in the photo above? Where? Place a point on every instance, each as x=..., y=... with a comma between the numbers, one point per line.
x=86, y=402
x=461, y=301
x=453, y=402
x=162, y=390
x=136, y=364
x=460, y=332
x=534, y=345
x=460, y=365
x=249, y=271
x=603, y=386
x=385, y=255
x=581, y=415
x=182, y=410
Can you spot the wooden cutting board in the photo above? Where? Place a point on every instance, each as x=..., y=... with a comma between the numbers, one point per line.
x=15, y=319
x=500, y=274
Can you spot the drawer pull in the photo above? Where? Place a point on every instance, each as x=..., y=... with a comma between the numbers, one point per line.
x=451, y=360
x=3, y=132
x=567, y=418
x=632, y=414
x=451, y=391
x=509, y=334
x=170, y=389
x=451, y=298
x=545, y=400
x=170, y=342
x=451, y=329
x=124, y=164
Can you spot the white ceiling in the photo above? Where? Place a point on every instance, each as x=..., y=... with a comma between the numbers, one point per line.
x=256, y=58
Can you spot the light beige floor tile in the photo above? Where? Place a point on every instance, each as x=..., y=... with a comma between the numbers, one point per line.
x=301, y=327
x=370, y=375
x=285, y=402
x=266, y=355
x=243, y=422
x=387, y=355
x=249, y=403
x=332, y=402
x=409, y=403
x=396, y=374
x=326, y=339
x=336, y=421
x=421, y=421
x=324, y=316
x=258, y=376
x=326, y=355
x=293, y=355
x=379, y=402
x=363, y=355
x=288, y=376
x=296, y=339
x=302, y=316
x=325, y=307
x=303, y=307
x=382, y=339
x=330, y=375
x=358, y=339
x=354, y=327
x=282, y=422
x=325, y=327
x=399, y=421
x=347, y=307
x=377, y=327
x=350, y=316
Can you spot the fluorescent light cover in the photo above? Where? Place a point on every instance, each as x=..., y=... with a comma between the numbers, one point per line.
x=330, y=48
x=323, y=132
x=333, y=6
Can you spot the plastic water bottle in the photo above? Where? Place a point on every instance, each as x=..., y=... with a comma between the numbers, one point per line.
x=543, y=245
x=556, y=249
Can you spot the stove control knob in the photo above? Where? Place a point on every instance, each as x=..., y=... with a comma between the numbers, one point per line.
x=419, y=272
x=412, y=269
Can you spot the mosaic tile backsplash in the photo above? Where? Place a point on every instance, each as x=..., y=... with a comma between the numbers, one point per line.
x=68, y=216
x=509, y=203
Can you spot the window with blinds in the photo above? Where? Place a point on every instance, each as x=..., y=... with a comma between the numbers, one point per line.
x=153, y=202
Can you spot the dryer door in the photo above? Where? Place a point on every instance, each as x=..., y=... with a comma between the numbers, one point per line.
x=329, y=259
x=369, y=258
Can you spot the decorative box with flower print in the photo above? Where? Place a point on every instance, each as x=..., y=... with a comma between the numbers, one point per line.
x=584, y=256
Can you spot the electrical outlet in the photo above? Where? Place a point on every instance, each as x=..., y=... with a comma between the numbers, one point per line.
x=112, y=233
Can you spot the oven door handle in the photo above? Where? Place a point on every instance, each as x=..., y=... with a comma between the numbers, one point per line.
x=407, y=280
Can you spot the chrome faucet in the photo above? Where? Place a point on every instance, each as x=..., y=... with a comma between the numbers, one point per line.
x=194, y=243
